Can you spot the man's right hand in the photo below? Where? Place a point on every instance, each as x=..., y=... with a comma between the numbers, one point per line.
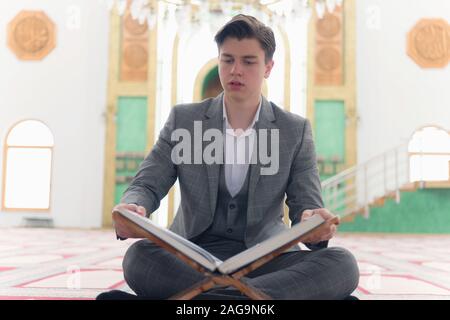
x=121, y=229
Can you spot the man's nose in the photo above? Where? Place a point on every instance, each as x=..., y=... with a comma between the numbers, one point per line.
x=236, y=69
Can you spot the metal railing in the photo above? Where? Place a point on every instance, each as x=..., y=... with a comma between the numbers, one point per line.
x=356, y=188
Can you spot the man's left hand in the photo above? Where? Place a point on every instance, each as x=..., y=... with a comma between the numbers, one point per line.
x=330, y=227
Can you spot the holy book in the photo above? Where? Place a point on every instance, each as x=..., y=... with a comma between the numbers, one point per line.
x=194, y=253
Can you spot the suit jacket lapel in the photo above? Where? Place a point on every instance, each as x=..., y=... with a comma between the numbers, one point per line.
x=214, y=120
x=266, y=119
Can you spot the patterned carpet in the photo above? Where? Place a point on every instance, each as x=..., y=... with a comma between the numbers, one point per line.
x=79, y=264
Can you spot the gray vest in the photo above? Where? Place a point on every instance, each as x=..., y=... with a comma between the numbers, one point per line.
x=225, y=237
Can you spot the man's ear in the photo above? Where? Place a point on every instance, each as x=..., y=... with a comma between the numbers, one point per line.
x=269, y=66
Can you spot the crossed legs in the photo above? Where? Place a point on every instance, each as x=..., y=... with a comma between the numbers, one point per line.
x=330, y=273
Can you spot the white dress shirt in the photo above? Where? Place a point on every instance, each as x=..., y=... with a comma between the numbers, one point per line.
x=238, y=152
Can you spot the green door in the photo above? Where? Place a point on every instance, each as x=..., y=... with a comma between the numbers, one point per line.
x=131, y=140
x=329, y=136
x=329, y=130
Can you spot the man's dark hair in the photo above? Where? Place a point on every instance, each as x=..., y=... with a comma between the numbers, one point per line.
x=248, y=27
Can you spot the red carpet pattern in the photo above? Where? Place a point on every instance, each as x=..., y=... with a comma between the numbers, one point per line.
x=80, y=264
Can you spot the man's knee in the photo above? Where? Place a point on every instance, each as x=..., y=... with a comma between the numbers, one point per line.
x=154, y=272
x=133, y=253
x=134, y=261
x=347, y=266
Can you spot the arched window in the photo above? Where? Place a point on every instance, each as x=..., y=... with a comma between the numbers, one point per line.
x=429, y=151
x=27, y=167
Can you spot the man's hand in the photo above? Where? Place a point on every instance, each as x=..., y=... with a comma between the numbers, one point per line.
x=330, y=226
x=121, y=229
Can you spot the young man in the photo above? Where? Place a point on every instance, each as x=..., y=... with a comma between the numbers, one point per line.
x=226, y=208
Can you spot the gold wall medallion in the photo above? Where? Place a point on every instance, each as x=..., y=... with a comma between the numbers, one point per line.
x=134, y=50
x=329, y=26
x=329, y=49
x=135, y=56
x=31, y=35
x=328, y=59
x=429, y=43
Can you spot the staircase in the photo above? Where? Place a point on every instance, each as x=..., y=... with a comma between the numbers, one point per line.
x=357, y=189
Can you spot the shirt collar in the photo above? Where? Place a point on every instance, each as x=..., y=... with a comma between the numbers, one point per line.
x=225, y=116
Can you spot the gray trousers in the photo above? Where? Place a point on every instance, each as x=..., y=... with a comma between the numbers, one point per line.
x=329, y=273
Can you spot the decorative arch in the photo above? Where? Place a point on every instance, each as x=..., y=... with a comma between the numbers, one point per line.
x=27, y=167
x=211, y=84
x=201, y=76
x=429, y=154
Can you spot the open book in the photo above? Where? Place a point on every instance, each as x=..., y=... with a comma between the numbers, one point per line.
x=209, y=261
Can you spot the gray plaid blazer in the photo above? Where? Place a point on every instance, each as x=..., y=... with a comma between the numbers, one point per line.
x=297, y=178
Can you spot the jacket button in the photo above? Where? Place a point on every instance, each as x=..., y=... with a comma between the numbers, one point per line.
x=229, y=230
x=232, y=206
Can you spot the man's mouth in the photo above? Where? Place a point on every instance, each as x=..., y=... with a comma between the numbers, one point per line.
x=236, y=83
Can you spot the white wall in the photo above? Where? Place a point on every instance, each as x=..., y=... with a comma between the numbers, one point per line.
x=67, y=91
x=297, y=32
x=395, y=96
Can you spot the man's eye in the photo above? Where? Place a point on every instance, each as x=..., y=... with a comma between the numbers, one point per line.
x=249, y=62
x=227, y=61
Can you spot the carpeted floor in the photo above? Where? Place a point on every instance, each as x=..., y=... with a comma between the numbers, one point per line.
x=79, y=264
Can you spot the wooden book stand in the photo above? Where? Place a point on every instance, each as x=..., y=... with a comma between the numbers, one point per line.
x=214, y=279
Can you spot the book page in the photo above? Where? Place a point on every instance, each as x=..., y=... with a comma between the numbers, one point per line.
x=190, y=249
x=260, y=250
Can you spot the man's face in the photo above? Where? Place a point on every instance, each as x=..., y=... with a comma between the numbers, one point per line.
x=242, y=68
